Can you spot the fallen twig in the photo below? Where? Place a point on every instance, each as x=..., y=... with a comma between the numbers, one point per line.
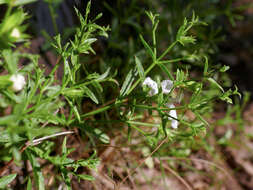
x=34, y=142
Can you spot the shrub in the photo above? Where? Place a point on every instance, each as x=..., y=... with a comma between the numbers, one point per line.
x=150, y=81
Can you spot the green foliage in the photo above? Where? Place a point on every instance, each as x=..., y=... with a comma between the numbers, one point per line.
x=4, y=181
x=35, y=108
x=12, y=27
x=45, y=104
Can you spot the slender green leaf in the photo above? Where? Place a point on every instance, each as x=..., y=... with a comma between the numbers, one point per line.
x=64, y=147
x=148, y=48
x=90, y=94
x=102, y=136
x=76, y=112
x=104, y=75
x=11, y=60
x=128, y=82
x=211, y=80
x=201, y=118
x=29, y=184
x=139, y=67
x=4, y=181
x=85, y=177
x=165, y=69
x=97, y=111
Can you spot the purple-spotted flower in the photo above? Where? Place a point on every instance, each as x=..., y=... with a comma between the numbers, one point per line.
x=152, y=85
x=166, y=85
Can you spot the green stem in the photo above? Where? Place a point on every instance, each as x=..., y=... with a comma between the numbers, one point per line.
x=154, y=38
x=143, y=124
x=170, y=61
x=152, y=66
x=96, y=111
x=138, y=129
x=167, y=50
x=160, y=109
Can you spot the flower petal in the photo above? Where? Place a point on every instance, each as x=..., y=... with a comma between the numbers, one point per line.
x=173, y=113
x=18, y=82
x=166, y=86
x=152, y=85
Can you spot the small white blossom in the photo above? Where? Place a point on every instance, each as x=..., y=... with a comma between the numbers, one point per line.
x=173, y=113
x=166, y=86
x=152, y=85
x=15, y=33
x=18, y=82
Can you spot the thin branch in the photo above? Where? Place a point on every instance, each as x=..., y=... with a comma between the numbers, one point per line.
x=39, y=140
x=34, y=142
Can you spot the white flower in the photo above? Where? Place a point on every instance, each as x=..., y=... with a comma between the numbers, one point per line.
x=173, y=113
x=152, y=85
x=15, y=33
x=166, y=86
x=18, y=82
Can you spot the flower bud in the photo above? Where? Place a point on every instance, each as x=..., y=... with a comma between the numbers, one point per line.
x=15, y=33
x=18, y=82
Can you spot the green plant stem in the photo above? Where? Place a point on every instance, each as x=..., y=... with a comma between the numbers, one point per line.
x=152, y=66
x=167, y=50
x=170, y=61
x=103, y=108
x=160, y=109
x=154, y=38
x=143, y=124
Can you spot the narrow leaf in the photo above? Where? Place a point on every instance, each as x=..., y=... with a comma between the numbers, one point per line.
x=64, y=147
x=139, y=67
x=76, y=113
x=96, y=111
x=85, y=177
x=90, y=94
x=211, y=80
x=102, y=136
x=104, y=75
x=29, y=184
x=128, y=82
x=148, y=48
x=165, y=69
x=4, y=181
x=201, y=118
